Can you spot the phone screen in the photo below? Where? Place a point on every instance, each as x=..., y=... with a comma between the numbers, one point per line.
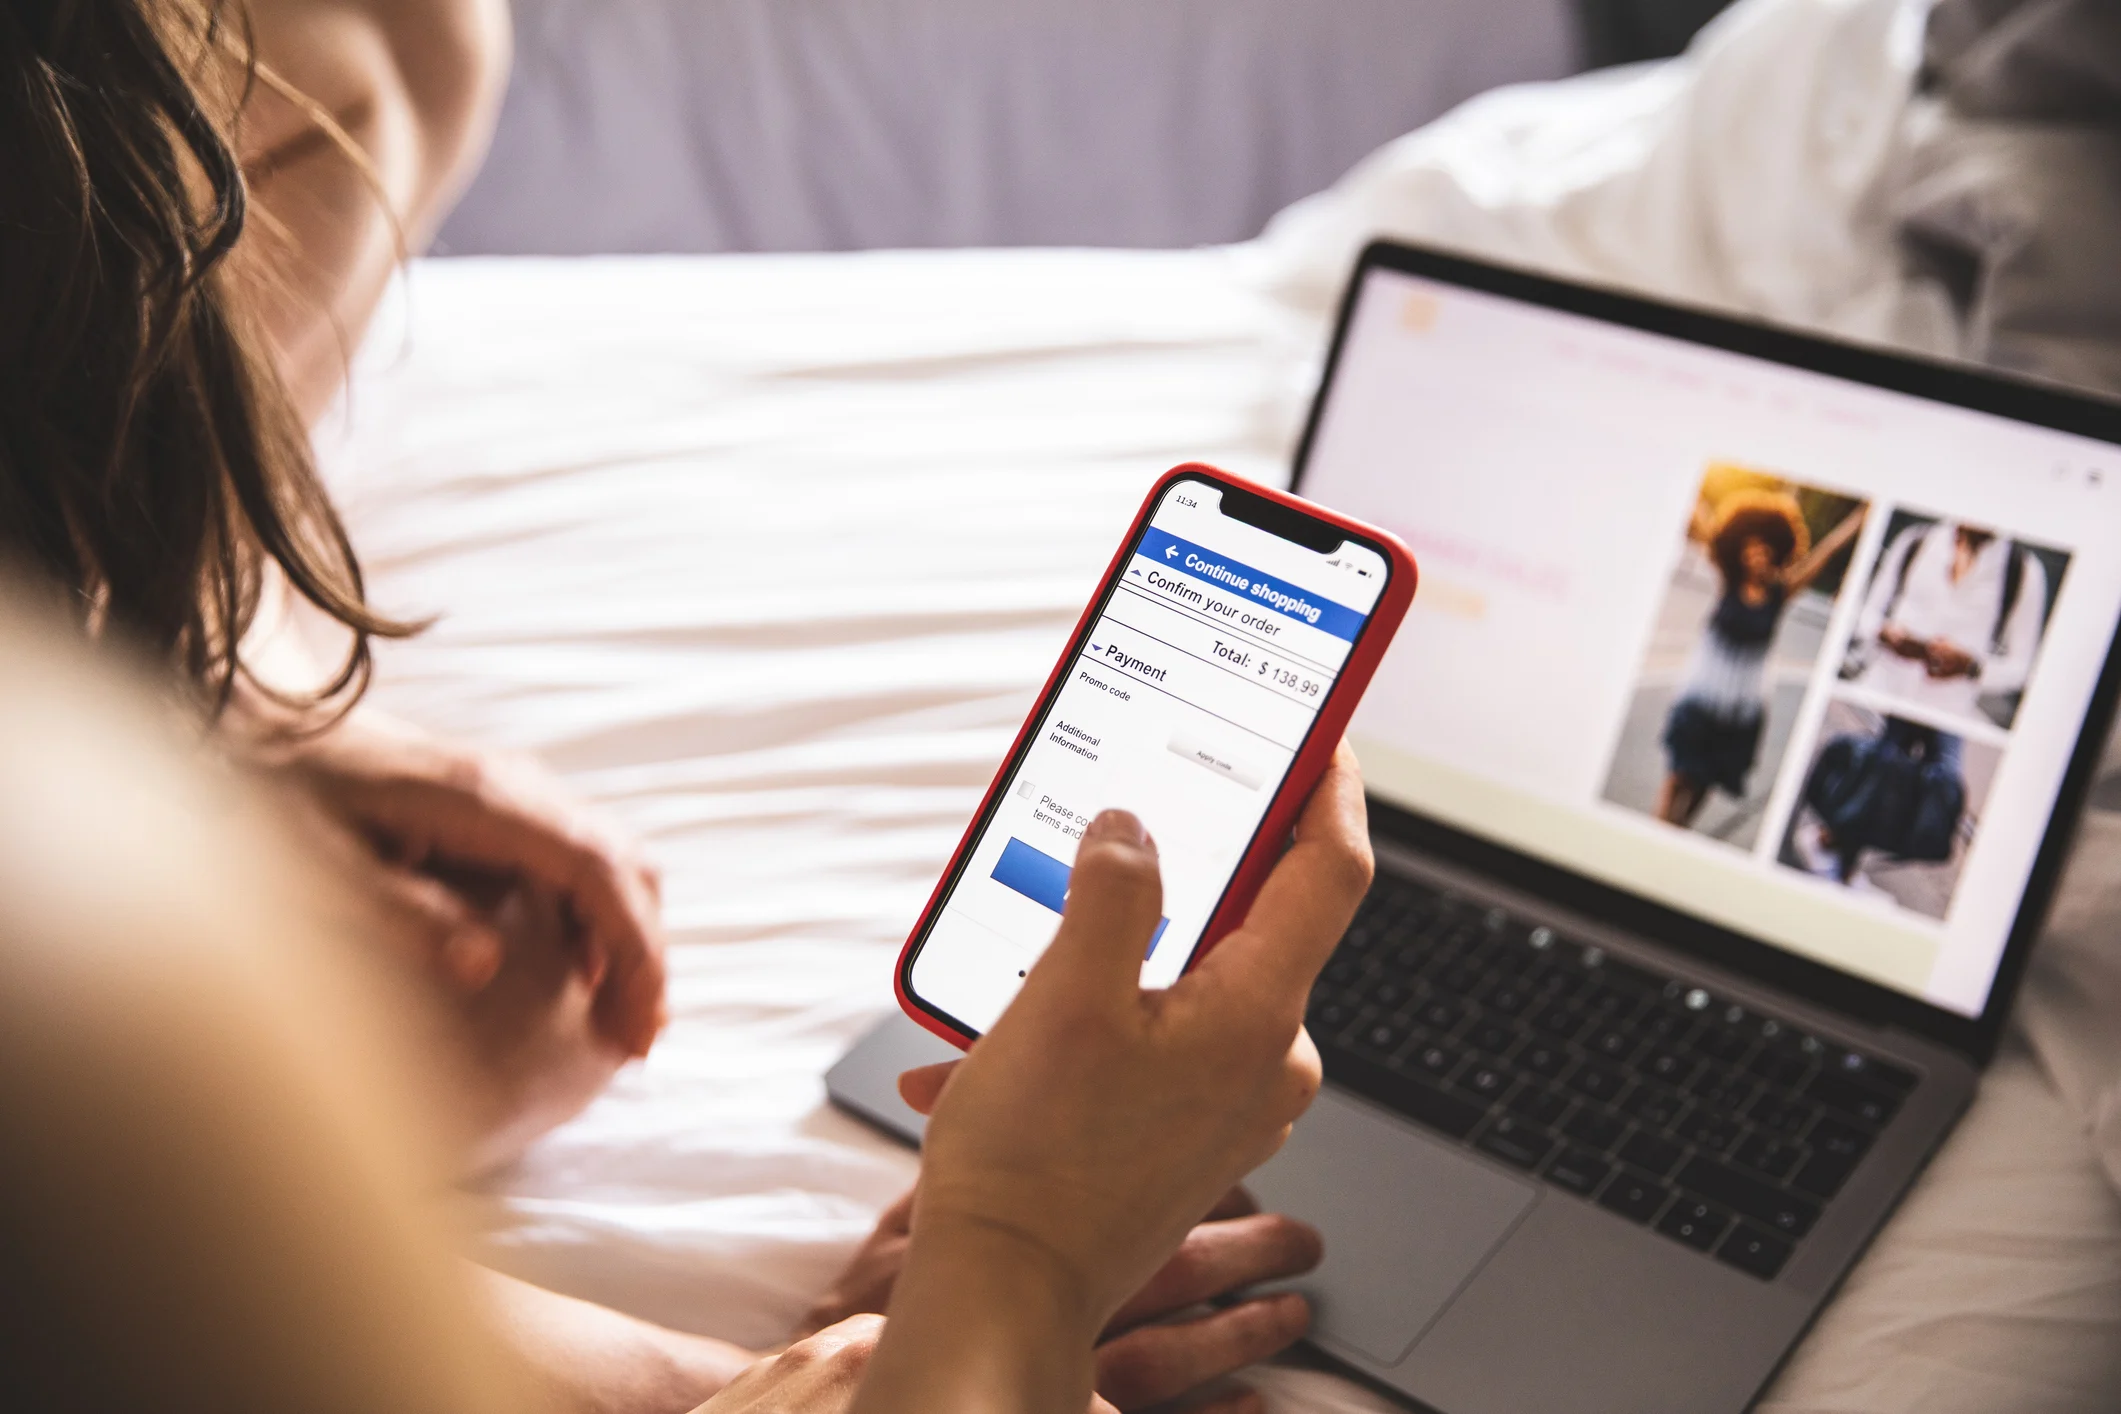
x=1202, y=674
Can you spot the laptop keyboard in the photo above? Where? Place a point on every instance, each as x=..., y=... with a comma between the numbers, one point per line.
x=1721, y=1127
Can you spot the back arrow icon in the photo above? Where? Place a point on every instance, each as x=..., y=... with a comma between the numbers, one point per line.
x=1170, y=552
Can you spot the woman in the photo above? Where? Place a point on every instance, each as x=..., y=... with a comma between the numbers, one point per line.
x=212, y=1194
x=1761, y=549
x=1952, y=621
x=203, y=202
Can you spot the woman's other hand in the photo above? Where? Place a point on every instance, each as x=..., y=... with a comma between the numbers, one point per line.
x=817, y=1375
x=442, y=827
x=1073, y=1149
x=1145, y=1357
x=820, y=1374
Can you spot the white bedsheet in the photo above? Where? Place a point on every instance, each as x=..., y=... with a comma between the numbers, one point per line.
x=768, y=554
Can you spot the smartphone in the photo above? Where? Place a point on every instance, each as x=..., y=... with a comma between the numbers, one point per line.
x=1204, y=689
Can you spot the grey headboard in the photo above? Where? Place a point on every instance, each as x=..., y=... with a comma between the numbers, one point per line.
x=715, y=125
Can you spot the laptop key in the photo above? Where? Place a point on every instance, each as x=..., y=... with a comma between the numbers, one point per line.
x=1706, y=1129
x=1779, y=1067
x=1647, y=1151
x=1598, y=1082
x=1785, y=1114
x=1416, y=1099
x=1557, y=1019
x=1831, y=1136
x=1754, y=1252
x=1694, y=1222
x=1544, y=1058
x=1515, y=1142
x=1601, y=1129
x=1634, y=1196
x=1823, y=1174
x=1463, y=980
x=1510, y=999
x=1441, y=1014
x=1724, y=1089
x=1779, y=1212
x=1669, y=1066
x=1494, y=1037
x=1888, y=1077
x=1435, y=1060
x=1656, y=1107
x=1665, y=1026
x=1539, y=1105
x=1579, y=1171
x=1626, y=975
x=1722, y=1043
x=1380, y=1038
x=1872, y=1107
x=1330, y=1018
x=1764, y=1153
x=1485, y=1081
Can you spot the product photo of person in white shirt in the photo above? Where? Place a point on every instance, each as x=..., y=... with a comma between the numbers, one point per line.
x=1952, y=620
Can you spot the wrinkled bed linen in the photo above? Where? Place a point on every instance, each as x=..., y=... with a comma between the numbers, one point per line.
x=1745, y=176
x=1846, y=165
x=767, y=555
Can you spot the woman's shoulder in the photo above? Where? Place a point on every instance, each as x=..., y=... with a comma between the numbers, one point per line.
x=382, y=70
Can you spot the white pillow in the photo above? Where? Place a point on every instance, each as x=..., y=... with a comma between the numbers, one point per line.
x=1742, y=176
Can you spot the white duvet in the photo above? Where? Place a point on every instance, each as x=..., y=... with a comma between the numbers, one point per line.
x=768, y=555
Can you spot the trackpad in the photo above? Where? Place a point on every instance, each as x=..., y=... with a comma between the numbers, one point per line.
x=1406, y=1220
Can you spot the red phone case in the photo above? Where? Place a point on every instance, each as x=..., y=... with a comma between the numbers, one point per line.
x=1310, y=762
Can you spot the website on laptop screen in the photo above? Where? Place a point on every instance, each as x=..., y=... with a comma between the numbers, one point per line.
x=1800, y=656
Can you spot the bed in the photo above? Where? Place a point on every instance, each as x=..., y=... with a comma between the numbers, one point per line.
x=767, y=555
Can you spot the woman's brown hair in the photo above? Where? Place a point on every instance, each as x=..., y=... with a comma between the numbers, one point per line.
x=152, y=464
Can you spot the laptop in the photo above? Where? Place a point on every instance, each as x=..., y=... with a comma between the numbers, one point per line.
x=1719, y=782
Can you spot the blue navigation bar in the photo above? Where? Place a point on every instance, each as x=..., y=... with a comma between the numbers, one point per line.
x=1040, y=877
x=1184, y=557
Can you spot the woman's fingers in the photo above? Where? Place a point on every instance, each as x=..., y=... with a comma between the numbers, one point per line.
x=453, y=938
x=1220, y=1257
x=625, y=942
x=1235, y=1204
x=922, y=1086
x=1153, y=1364
x=499, y=815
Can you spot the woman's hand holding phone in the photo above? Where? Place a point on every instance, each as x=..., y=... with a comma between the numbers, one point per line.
x=1073, y=1149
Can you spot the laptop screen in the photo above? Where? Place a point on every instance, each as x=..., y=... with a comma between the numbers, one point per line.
x=1801, y=656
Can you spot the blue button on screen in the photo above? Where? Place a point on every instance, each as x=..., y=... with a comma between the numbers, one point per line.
x=1040, y=877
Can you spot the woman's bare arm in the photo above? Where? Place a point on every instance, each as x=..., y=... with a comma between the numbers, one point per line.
x=367, y=119
x=594, y=1360
x=1799, y=576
